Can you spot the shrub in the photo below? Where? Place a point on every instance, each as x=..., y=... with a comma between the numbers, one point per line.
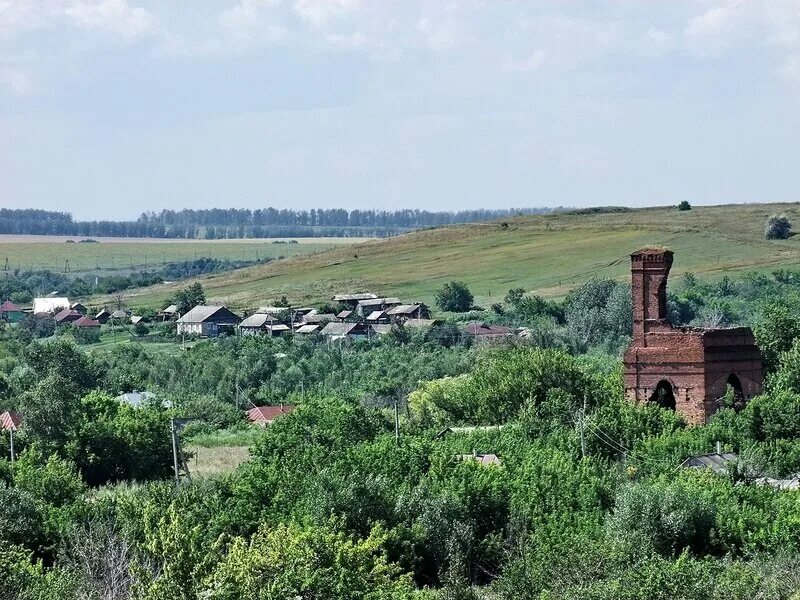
x=777, y=228
x=454, y=297
x=684, y=205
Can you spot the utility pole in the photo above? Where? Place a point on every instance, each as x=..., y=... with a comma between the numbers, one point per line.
x=396, y=422
x=174, y=432
x=11, y=433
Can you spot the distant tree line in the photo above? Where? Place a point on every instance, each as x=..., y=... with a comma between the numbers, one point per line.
x=231, y=223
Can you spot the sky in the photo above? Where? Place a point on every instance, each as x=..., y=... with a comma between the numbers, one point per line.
x=109, y=108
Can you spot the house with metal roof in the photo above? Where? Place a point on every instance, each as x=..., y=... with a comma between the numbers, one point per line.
x=341, y=331
x=103, y=316
x=402, y=312
x=86, y=323
x=308, y=329
x=352, y=300
x=10, y=312
x=485, y=332
x=262, y=324
x=50, y=304
x=209, y=321
x=364, y=307
x=266, y=415
x=67, y=315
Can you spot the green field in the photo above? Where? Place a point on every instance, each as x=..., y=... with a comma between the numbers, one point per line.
x=125, y=254
x=546, y=254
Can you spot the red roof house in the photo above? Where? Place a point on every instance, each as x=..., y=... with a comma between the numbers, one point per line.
x=68, y=315
x=265, y=415
x=86, y=322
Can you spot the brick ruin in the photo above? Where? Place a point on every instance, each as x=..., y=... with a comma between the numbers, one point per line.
x=686, y=369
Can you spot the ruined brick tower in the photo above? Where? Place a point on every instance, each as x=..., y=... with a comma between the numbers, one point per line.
x=683, y=368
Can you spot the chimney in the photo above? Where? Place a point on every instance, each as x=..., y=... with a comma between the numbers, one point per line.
x=649, y=271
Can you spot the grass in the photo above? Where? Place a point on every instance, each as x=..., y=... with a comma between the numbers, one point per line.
x=217, y=460
x=546, y=254
x=122, y=254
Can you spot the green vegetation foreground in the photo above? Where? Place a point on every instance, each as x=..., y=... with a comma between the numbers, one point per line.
x=332, y=506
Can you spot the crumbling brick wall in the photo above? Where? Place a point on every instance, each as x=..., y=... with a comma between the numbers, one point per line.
x=695, y=365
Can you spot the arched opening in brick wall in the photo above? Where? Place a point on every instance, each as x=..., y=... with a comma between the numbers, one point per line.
x=663, y=395
x=734, y=391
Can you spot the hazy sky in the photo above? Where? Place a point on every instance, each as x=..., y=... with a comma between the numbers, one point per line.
x=112, y=107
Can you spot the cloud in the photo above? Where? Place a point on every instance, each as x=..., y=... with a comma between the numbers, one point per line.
x=17, y=81
x=525, y=65
x=790, y=69
x=319, y=13
x=113, y=16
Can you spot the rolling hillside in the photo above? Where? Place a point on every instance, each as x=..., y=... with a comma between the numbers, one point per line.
x=546, y=254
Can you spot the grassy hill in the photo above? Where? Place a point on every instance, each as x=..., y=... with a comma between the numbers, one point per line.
x=547, y=254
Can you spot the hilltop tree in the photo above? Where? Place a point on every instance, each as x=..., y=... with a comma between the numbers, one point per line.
x=684, y=205
x=189, y=297
x=454, y=296
x=777, y=228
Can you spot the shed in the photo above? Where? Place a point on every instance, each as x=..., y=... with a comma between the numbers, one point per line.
x=136, y=319
x=719, y=462
x=103, y=316
x=208, y=320
x=351, y=300
x=419, y=323
x=319, y=318
x=168, y=313
x=367, y=306
x=485, y=460
x=119, y=315
x=307, y=329
x=377, y=316
x=10, y=312
x=266, y=415
x=79, y=307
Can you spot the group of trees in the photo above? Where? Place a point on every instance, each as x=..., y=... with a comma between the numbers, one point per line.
x=231, y=223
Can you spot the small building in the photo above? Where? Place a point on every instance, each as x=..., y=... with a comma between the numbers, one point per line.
x=317, y=318
x=381, y=329
x=136, y=319
x=352, y=300
x=10, y=420
x=377, y=316
x=168, y=313
x=103, y=316
x=266, y=415
x=50, y=304
x=308, y=329
x=119, y=315
x=339, y=331
x=209, y=321
x=86, y=322
x=719, y=462
x=10, y=312
x=67, y=315
x=484, y=460
x=403, y=312
x=262, y=324
x=419, y=323
x=135, y=398
x=344, y=315
x=364, y=307
x=485, y=332
x=79, y=307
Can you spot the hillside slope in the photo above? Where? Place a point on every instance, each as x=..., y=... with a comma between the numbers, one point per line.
x=547, y=254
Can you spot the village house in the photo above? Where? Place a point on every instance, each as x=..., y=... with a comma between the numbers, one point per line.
x=85, y=322
x=378, y=316
x=103, y=316
x=67, y=315
x=79, y=307
x=402, y=312
x=10, y=312
x=365, y=307
x=209, y=321
x=308, y=329
x=262, y=324
x=168, y=313
x=50, y=305
x=352, y=300
x=317, y=319
x=335, y=331
x=266, y=415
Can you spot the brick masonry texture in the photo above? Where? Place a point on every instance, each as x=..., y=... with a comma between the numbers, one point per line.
x=695, y=365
